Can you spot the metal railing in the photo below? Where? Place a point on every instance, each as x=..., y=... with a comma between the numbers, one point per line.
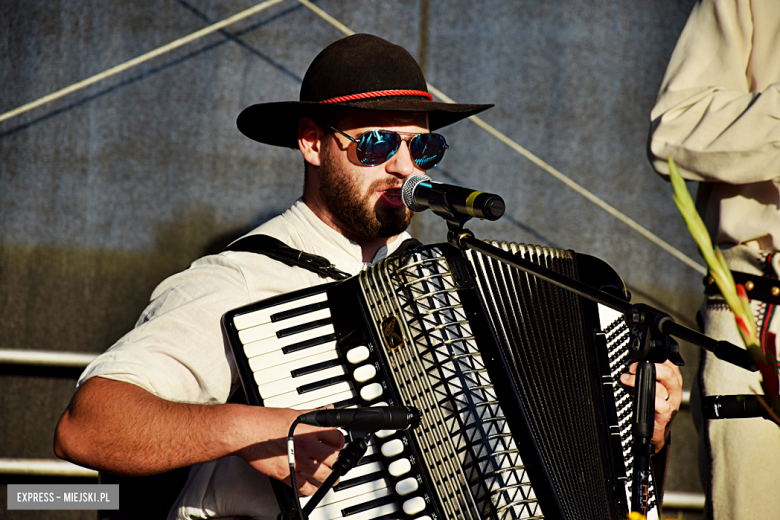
x=45, y=358
x=44, y=468
x=63, y=469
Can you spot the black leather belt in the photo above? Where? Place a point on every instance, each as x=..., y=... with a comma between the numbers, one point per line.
x=757, y=287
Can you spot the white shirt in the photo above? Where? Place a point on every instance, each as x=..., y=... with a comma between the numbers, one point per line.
x=718, y=116
x=176, y=350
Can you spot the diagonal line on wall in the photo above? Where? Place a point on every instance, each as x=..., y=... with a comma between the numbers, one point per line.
x=140, y=59
x=622, y=217
x=347, y=31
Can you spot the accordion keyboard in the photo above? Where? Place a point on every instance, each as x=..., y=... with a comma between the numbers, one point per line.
x=290, y=353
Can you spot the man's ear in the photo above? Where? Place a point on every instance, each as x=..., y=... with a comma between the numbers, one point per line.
x=310, y=136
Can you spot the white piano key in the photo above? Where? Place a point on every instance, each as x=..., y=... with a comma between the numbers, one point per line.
x=371, y=448
x=289, y=384
x=364, y=469
x=269, y=330
x=336, y=496
x=362, y=494
x=257, y=317
x=326, y=400
x=265, y=346
x=282, y=371
x=294, y=398
x=375, y=489
x=277, y=357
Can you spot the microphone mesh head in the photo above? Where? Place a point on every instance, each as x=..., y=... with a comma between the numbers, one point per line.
x=407, y=191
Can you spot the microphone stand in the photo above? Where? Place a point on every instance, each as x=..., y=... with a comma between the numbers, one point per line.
x=650, y=330
x=348, y=459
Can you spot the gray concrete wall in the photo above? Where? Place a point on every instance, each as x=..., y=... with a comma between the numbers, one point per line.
x=106, y=191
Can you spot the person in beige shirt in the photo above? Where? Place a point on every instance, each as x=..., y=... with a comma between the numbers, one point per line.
x=718, y=115
x=157, y=399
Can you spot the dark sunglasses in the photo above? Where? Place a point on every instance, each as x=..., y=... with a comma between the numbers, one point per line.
x=378, y=146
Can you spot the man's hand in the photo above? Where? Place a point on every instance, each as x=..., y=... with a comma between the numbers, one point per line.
x=668, y=396
x=121, y=428
x=316, y=450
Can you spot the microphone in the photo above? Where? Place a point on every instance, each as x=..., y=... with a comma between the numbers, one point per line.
x=419, y=193
x=365, y=419
x=732, y=407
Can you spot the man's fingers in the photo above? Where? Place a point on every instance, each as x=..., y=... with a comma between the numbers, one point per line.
x=305, y=488
x=630, y=380
x=333, y=438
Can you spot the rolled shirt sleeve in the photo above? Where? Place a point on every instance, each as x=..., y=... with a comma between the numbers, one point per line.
x=718, y=110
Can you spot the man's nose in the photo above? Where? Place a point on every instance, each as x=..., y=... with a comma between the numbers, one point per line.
x=401, y=162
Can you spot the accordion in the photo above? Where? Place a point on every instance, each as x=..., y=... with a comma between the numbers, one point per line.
x=523, y=416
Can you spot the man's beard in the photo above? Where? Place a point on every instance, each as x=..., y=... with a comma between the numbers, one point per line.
x=341, y=194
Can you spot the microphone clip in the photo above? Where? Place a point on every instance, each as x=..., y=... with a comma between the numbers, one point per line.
x=441, y=206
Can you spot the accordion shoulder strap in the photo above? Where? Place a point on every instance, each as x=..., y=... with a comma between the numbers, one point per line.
x=278, y=250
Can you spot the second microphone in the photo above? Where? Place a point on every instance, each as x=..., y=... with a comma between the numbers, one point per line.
x=365, y=419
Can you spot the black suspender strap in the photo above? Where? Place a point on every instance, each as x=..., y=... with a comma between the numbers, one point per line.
x=278, y=250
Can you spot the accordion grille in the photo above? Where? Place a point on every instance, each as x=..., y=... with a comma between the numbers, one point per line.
x=470, y=453
x=539, y=330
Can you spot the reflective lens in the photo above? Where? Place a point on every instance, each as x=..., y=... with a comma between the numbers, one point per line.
x=427, y=150
x=378, y=146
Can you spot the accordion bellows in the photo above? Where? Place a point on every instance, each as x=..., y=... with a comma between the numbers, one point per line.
x=516, y=379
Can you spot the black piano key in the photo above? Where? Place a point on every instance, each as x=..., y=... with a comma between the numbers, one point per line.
x=322, y=384
x=346, y=403
x=374, y=457
x=303, y=327
x=371, y=504
x=295, y=347
x=352, y=482
x=300, y=311
x=298, y=372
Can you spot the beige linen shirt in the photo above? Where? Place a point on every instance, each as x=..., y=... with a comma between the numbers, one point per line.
x=718, y=115
x=176, y=349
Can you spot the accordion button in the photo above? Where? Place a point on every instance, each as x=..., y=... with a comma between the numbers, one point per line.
x=392, y=448
x=364, y=373
x=357, y=354
x=371, y=392
x=384, y=433
x=414, y=505
x=406, y=486
x=399, y=467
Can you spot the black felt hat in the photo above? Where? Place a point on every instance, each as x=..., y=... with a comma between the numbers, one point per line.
x=360, y=72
